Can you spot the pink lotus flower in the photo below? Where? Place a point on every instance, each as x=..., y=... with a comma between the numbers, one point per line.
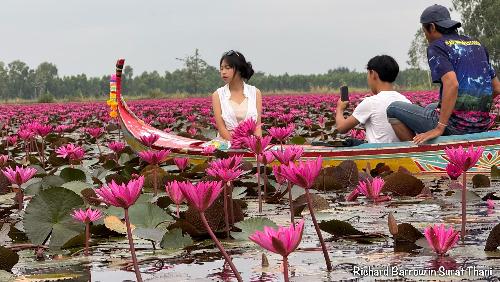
x=357, y=134
x=87, y=215
x=353, y=195
x=244, y=129
x=304, y=173
x=71, y=152
x=116, y=146
x=372, y=189
x=440, y=239
x=122, y=195
x=175, y=193
x=149, y=140
x=233, y=162
x=308, y=122
x=208, y=150
x=11, y=140
x=25, y=135
x=491, y=204
x=464, y=159
x=154, y=157
x=3, y=159
x=95, y=132
x=181, y=163
x=453, y=171
x=266, y=157
x=281, y=133
x=62, y=128
x=192, y=131
x=278, y=174
x=43, y=130
x=282, y=241
x=226, y=175
x=20, y=175
x=257, y=144
x=290, y=154
x=202, y=194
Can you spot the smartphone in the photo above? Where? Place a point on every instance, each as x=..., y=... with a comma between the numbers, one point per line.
x=344, y=93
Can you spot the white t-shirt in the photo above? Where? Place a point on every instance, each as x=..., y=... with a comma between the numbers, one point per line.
x=372, y=113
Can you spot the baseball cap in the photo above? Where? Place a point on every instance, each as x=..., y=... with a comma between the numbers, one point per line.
x=438, y=15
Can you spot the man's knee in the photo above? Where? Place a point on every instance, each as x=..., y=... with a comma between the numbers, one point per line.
x=392, y=110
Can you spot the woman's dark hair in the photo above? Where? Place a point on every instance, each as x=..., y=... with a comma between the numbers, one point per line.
x=237, y=61
x=440, y=29
x=386, y=67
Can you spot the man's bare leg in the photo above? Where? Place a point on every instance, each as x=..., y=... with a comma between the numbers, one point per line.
x=402, y=131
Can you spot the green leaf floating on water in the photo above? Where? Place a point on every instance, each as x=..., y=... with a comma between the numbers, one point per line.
x=52, y=181
x=339, y=228
x=151, y=234
x=76, y=186
x=6, y=276
x=72, y=174
x=146, y=215
x=174, y=239
x=249, y=226
x=8, y=258
x=298, y=140
x=49, y=213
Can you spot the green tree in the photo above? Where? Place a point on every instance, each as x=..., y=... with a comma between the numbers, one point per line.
x=4, y=80
x=417, y=54
x=20, y=80
x=480, y=20
x=194, y=67
x=45, y=75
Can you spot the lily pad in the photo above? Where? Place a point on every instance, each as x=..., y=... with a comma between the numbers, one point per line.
x=6, y=276
x=174, y=239
x=239, y=192
x=339, y=228
x=298, y=140
x=113, y=223
x=151, y=234
x=249, y=226
x=49, y=214
x=493, y=240
x=52, y=181
x=146, y=215
x=33, y=186
x=76, y=186
x=8, y=259
x=72, y=174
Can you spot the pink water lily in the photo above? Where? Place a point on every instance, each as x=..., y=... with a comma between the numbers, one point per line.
x=490, y=203
x=304, y=173
x=257, y=144
x=121, y=195
x=175, y=194
x=19, y=175
x=149, y=139
x=282, y=241
x=3, y=160
x=266, y=157
x=208, y=150
x=116, y=146
x=87, y=216
x=281, y=134
x=464, y=159
x=290, y=154
x=95, y=132
x=71, y=152
x=202, y=194
x=244, y=129
x=43, y=130
x=453, y=171
x=11, y=139
x=181, y=163
x=278, y=174
x=233, y=162
x=372, y=189
x=441, y=239
x=357, y=134
x=154, y=157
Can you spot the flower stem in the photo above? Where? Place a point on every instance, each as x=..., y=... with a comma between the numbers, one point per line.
x=265, y=182
x=219, y=246
x=178, y=211
x=226, y=213
x=285, y=269
x=155, y=183
x=318, y=231
x=258, y=183
x=20, y=198
x=231, y=209
x=87, y=238
x=464, y=206
x=290, y=200
x=132, y=249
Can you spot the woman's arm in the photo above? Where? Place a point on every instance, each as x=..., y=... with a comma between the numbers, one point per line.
x=219, y=122
x=258, y=131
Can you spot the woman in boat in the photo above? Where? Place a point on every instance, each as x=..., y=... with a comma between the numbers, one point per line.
x=236, y=100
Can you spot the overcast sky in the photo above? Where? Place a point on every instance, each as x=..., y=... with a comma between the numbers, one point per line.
x=277, y=36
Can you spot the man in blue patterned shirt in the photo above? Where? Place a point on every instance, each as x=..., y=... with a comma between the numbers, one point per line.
x=468, y=84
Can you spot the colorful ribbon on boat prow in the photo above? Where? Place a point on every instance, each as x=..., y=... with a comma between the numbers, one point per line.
x=115, y=88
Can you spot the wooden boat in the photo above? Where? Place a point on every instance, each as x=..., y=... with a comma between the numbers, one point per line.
x=426, y=158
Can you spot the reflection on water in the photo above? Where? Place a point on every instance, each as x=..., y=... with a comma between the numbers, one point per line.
x=413, y=261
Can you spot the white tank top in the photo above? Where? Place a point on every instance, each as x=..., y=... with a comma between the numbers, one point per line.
x=231, y=109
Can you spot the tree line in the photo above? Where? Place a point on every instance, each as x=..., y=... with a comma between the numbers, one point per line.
x=18, y=80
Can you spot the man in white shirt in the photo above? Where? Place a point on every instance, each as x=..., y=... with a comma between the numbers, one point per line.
x=371, y=112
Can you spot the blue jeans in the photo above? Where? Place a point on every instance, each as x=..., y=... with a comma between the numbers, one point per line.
x=417, y=118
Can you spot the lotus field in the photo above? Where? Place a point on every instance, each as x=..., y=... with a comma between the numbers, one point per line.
x=78, y=204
